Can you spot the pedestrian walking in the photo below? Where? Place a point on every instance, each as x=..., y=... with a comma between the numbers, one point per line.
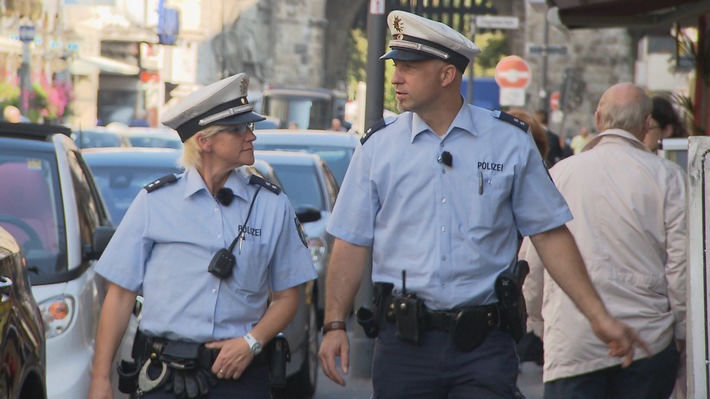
x=437, y=196
x=630, y=226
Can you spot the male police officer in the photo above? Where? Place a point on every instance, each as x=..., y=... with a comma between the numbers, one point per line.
x=439, y=195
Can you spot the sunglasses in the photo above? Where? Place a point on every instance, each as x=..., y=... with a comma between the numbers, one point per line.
x=240, y=129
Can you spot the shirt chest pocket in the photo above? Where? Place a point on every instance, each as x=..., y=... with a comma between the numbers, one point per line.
x=489, y=199
x=251, y=268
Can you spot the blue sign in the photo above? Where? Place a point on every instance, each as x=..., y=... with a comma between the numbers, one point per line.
x=168, y=24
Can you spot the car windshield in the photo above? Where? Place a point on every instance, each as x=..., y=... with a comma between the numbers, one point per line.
x=301, y=185
x=119, y=185
x=31, y=209
x=337, y=158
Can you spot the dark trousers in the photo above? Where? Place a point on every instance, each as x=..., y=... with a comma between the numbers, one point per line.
x=438, y=370
x=648, y=378
x=253, y=384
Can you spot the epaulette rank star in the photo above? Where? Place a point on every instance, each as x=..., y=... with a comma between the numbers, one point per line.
x=254, y=179
x=513, y=121
x=161, y=182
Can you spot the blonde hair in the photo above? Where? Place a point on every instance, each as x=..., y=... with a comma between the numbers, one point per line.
x=191, y=152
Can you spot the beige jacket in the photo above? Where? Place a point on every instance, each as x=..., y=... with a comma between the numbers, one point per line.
x=629, y=208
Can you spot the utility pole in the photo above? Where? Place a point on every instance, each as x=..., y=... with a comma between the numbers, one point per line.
x=362, y=347
x=471, y=72
x=27, y=36
x=544, y=95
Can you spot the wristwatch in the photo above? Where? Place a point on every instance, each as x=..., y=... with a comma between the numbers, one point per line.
x=254, y=345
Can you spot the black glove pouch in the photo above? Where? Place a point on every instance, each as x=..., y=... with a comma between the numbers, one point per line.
x=469, y=328
x=409, y=313
x=189, y=379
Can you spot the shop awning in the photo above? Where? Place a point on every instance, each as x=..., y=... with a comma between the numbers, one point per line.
x=87, y=64
x=625, y=13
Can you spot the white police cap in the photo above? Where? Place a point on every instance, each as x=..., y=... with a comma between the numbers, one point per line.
x=416, y=38
x=220, y=103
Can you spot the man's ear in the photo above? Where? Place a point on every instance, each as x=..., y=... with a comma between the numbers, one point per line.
x=447, y=74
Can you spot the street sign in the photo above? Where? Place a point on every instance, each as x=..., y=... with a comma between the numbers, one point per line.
x=555, y=100
x=513, y=72
x=539, y=49
x=496, y=22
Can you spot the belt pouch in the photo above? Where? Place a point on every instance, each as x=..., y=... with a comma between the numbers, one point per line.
x=182, y=352
x=279, y=354
x=469, y=328
x=127, y=376
x=409, y=311
x=366, y=318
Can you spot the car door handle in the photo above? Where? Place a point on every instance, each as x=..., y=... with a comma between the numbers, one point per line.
x=5, y=287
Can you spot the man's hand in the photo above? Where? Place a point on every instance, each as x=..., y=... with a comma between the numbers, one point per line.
x=335, y=343
x=620, y=339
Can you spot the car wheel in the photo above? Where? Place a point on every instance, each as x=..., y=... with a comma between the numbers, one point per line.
x=303, y=383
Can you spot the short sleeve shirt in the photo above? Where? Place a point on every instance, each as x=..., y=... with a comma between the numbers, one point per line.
x=452, y=228
x=166, y=240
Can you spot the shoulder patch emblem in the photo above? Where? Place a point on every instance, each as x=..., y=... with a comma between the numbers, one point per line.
x=301, y=231
x=375, y=127
x=161, y=182
x=513, y=121
x=254, y=179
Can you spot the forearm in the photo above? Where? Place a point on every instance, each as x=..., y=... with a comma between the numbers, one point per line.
x=560, y=256
x=115, y=314
x=279, y=314
x=345, y=271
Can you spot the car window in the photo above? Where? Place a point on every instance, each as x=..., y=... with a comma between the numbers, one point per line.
x=337, y=158
x=31, y=208
x=120, y=185
x=301, y=185
x=331, y=185
x=89, y=210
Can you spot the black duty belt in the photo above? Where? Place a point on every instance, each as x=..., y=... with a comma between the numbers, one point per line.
x=444, y=320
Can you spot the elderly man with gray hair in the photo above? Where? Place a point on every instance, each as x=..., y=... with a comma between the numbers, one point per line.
x=629, y=208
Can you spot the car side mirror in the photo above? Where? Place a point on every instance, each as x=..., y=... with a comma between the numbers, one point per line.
x=102, y=236
x=307, y=214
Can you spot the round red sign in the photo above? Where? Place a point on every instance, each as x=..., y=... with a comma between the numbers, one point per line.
x=513, y=72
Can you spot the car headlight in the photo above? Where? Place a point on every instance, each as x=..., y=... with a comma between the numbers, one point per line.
x=317, y=247
x=57, y=314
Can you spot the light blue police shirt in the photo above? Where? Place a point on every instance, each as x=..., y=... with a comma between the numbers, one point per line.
x=453, y=229
x=165, y=242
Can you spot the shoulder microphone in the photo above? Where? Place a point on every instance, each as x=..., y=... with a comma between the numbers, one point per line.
x=446, y=158
x=225, y=196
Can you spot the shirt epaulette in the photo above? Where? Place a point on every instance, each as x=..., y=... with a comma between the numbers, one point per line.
x=161, y=182
x=254, y=179
x=513, y=121
x=375, y=127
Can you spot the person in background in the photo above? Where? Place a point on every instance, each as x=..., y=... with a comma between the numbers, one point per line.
x=217, y=257
x=580, y=140
x=630, y=226
x=539, y=133
x=436, y=198
x=12, y=114
x=337, y=125
x=665, y=123
x=555, y=150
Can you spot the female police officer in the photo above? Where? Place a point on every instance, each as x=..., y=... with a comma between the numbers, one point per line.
x=205, y=249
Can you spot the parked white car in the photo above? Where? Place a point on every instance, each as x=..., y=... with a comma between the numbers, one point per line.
x=51, y=205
